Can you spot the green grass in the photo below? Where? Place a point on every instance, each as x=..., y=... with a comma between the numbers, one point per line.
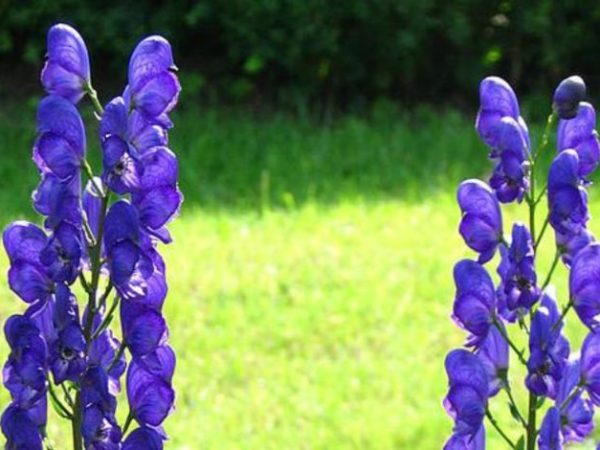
x=310, y=276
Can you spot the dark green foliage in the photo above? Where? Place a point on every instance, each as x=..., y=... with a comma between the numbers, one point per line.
x=325, y=52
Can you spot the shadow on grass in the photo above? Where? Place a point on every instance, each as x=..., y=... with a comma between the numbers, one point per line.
x=231, y=160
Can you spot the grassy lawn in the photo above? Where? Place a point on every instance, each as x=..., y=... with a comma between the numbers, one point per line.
x=310, y=276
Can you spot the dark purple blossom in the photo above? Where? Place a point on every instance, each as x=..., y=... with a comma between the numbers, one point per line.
x=67, y=69
x=569, y=245
x=567, y=96
x=493, y=354
x=548, y=349
x=584, y=285
x=590, y=366
x=481, y=223
x=21, y=427
x=474, y=300
x=144, y=438
x=579, y=134
x=520, y=280
x=577, y=413
x=567, y=198
x=550, y=437
x=461, y=442
x=467, y=396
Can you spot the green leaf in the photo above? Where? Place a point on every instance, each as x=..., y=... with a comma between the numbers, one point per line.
x=540, y=402
x=520, y=443
x=57, y=408
x=514, y=412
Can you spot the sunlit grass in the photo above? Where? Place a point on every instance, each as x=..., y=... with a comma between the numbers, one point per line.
x=310, y=278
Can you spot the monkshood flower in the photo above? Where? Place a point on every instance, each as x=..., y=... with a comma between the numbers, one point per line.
x=467, y=396
x=59, y=201
x=548, y=349
x=509, y=179
x=459, y=442
x=22, y=427
x=145, y=438
x=509, y=315
x=481, y=223
x=67, y=69
x=550, y=437
x=498, y=100
x=590, y=366
x=579, y=134
x=567, y=96
x=493, y=354
x=474, y=300
x=569, y=245
x=567, y=198
x=584, y=285
x=520, y=280
x=576, y=412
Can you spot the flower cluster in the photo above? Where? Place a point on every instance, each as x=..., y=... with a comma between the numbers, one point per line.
x=104, y=235
x=488, y=310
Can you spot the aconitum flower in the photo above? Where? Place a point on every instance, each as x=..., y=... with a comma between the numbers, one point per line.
x=569, y=245
x=520, y=280
x=67, y=69
x=144, y=438
x=579, y=134
x=467, y=397
x=474, y=300
x=550, y=437
x=481, y=223
x=548, y=349
x=509, y=179
x=577, y=413
x=460, y=442
x=567, y=198
x=498, y=100
x=590, y=366
x=493, y=354
x=567, y=96
x=584, y=285
x=22, y=426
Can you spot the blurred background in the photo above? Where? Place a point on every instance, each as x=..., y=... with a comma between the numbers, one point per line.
x=320, y=146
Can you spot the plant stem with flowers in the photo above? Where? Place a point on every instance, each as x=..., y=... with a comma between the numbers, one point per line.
x=556, y=376
x=105, y=236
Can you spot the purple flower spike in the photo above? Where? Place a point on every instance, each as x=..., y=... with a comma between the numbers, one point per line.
x=548, y=349
x=520, y=280
x=550, y=437
x=580, y=135
x=584, y=285
x=567, y=96
x=567, y=198
x=493, y=354
x=474, y=300
x=468, y=391
x=67, y=69
x=481, y=223
x=458, y=442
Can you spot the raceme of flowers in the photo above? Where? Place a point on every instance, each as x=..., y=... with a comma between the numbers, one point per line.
x=563, y=385
x=102, y=232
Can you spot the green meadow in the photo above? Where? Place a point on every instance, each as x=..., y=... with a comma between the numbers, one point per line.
x=310, y=275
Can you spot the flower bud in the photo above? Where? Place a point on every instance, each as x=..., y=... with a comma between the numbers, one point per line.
x=567, y=96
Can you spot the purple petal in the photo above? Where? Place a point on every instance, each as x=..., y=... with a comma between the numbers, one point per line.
x=24, y=241
x=59, y=117
x=151, y=57
x=584, y=284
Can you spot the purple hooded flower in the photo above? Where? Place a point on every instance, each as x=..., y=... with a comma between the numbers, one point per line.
x=590, y=366
x=548, y=350
x=468, y=392
x=100, y=430
x=153, y=85
x=64, y=252
x=493, y=354
x=498, y=100
x=577, y=413
x=21, y=427
x=569, y=245
x=60, y=146
x=474, y=300
x=144, y=328
x=567, y=198
x=27, y=276
x=520, y=281
x=144, y=438
x=481, y=223
x=59, y=201
x=550, y=437
x=460, y=442
x=567, y=96
x=509, y=180
x=67, y=69
x=580, y=135
x=584, y=285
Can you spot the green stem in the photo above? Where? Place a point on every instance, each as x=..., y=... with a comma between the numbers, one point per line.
x=511, y=400
x=488, y=414
x=549, y=276
x=57, y=401
x=107, y=318
x=510, y=343
x=562, y=315
x=539, y=238
x=531, y=426
x=117, y=356
x=127, y=422
x=94, y=98
x=76, y=424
